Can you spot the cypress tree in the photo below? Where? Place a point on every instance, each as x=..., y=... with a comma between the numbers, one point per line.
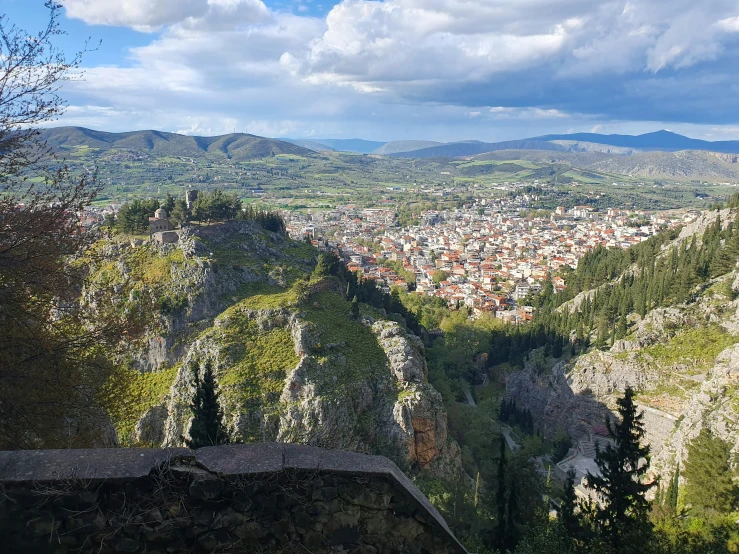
x=673, y=491
x=355, y=308
x=566, y=511
x=512, y=516
x=500, y=497
x=622, y=515
x=557, y=347
x=207, y=427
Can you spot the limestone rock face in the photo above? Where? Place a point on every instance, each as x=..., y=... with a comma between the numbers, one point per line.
x=150, y=428
x=581, y=395
x=727, y=364
x=423, y=409
x=554, y=403
x=602, y=374
x=406, y=361
x=393, y=411
x=284, y=372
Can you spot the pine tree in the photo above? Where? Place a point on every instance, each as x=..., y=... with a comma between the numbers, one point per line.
x=708, y=474
x=622, y=515
x=207, y=427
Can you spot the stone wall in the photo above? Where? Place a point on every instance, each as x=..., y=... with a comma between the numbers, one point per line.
x=262, y=498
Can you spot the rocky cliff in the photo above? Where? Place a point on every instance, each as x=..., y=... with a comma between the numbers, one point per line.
x=292, y=363
x=683, y=361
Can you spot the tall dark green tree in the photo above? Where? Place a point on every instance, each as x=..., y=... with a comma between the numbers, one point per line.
x=207, y=427
x=500, y=497
x=673, y=491
x=710, y=484
x=567, y=516
x=179, y=215
x=513, y=516
x=622, y=515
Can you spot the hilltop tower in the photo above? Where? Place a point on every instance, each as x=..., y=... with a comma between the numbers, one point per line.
x=190, y=197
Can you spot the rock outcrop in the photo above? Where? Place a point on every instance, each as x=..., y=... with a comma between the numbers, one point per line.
x=677, y=396
x=293, y=365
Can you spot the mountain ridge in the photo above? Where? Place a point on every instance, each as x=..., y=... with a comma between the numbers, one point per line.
x=665, y=141
x=658, y=140
x=683, y=164
x=238, y=146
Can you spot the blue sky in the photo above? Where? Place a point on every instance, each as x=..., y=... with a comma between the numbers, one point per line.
x=402, y=69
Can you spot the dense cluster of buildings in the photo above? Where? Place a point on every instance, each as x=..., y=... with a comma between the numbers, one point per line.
x=488, y=256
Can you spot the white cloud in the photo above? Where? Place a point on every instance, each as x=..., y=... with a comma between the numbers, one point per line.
x=150, y=15
x=501, y=113
x=140, y=14
x=730, y=24
x=417, y=43
x=406, y=64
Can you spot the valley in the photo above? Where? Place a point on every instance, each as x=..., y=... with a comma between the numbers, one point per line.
x=445, y=313
x=369, y=277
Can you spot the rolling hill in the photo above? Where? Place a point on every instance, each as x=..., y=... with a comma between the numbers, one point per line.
x=660, y=140
x=624, y=145
x=397, y=146
x=471, y=148
x=687, y=164
x=360, y=146
x=236, y=146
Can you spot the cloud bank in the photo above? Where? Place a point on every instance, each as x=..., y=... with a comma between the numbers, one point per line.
x=527, y=63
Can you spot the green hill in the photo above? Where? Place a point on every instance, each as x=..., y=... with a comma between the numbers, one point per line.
x=236, y=146
x=397, y=146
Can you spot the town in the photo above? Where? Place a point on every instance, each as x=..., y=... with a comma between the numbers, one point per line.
x=489, y=256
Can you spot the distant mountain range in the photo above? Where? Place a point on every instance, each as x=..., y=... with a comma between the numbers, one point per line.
x=660, y=154
x=236, y=146
x=343, y=145
x=663, y=141
x=660, y=141
x=681, y=165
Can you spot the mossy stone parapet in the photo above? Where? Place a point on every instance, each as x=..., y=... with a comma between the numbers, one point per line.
x=244, y=498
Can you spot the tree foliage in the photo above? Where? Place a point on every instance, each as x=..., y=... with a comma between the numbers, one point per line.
x=710, y=484
x=622, y=515
x=133, y=217
x=52, y=360
x=216, y=205
x=207, y=427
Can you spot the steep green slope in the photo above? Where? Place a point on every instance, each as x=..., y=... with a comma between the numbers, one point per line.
x=662, y=318
x=291, y=361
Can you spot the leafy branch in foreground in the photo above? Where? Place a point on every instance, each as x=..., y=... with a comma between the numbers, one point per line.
x=52, y=353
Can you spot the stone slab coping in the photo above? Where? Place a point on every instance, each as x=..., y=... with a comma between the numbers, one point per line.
x=100, y=464
x=124, y=464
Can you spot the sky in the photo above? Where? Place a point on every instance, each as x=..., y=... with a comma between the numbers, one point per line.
x=385, y=70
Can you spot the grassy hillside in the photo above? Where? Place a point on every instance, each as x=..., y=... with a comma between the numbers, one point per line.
x=236, y=146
